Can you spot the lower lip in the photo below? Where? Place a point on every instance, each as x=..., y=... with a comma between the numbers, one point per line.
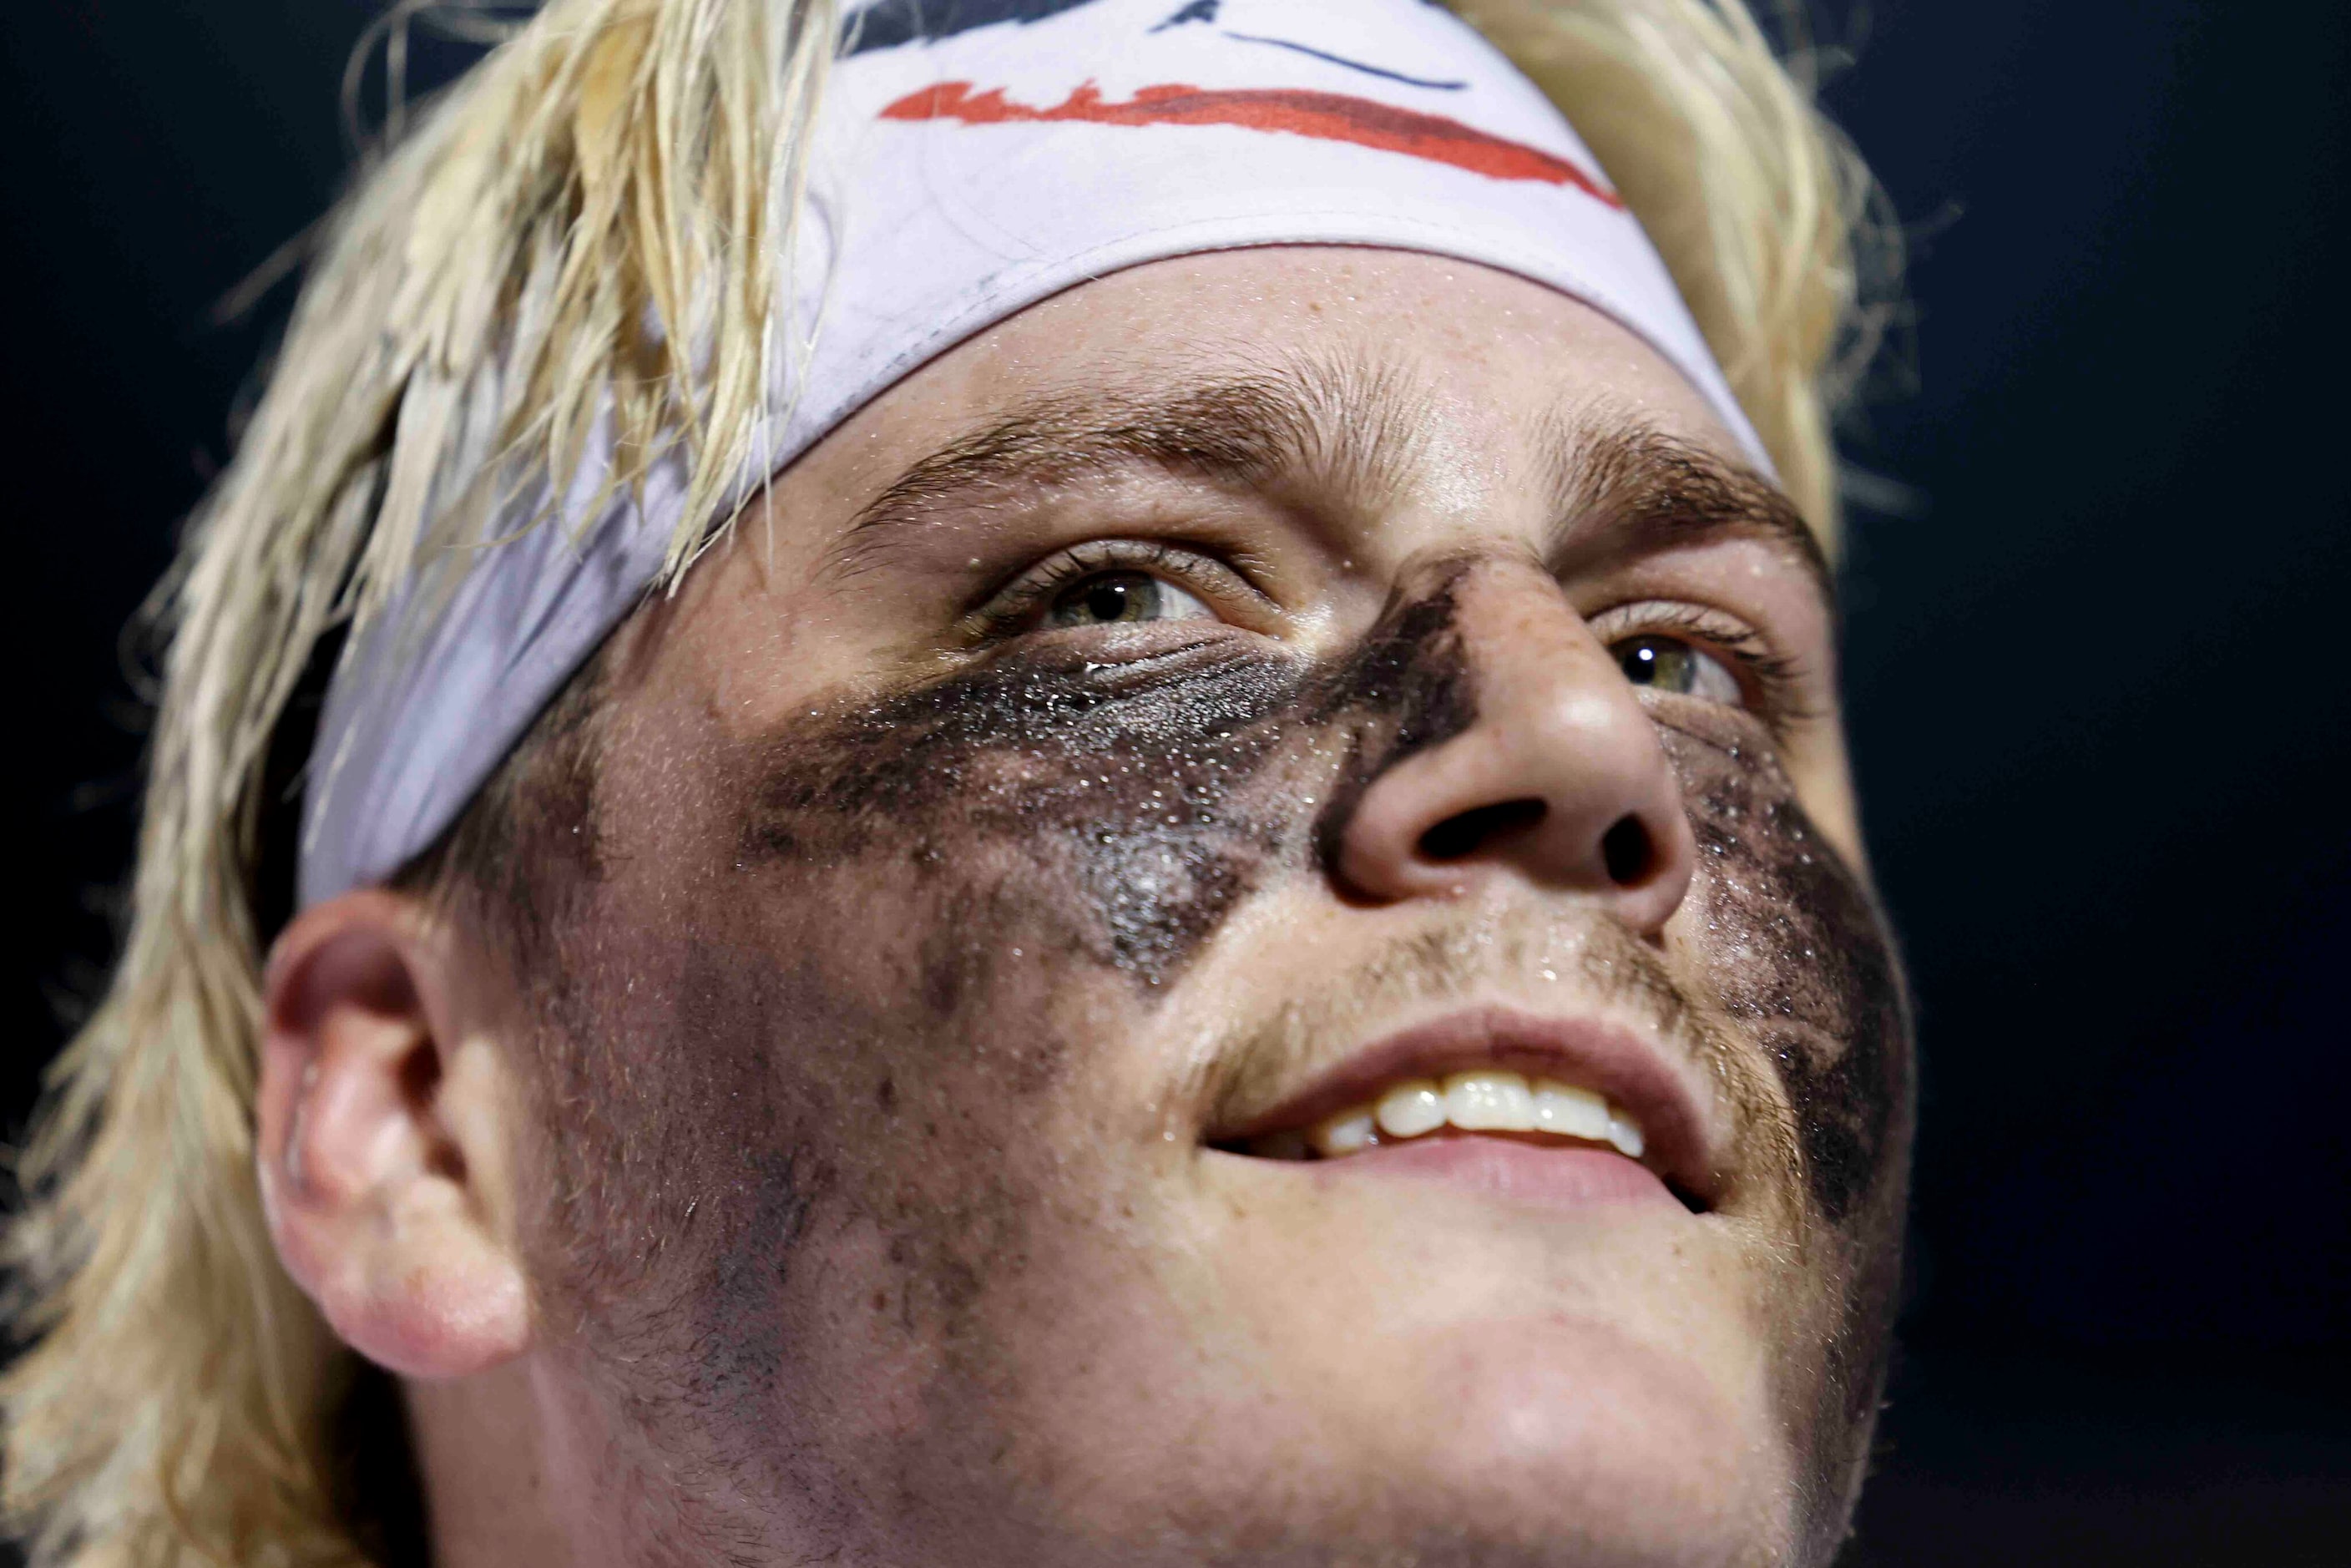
x=1514, y=1172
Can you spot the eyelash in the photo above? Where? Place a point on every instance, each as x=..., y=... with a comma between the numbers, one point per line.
x=1014, y=608
x=1776, y=680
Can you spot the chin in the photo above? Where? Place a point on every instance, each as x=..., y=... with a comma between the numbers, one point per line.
x=1598, y=1453
x=1414, y=1433
x=1468, y=1384
x=1561, y=1441
x=1576, y=1442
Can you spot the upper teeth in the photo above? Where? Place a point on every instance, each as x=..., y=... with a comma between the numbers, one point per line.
x=1479, y=1102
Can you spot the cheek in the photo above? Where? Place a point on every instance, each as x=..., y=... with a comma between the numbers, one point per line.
x=1032, y=808
x=1798, y=954
x=786, y=1180
x=1099, y=815
x=899, y=1200
x=861, y=1043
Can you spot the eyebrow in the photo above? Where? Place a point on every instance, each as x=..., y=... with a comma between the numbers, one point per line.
x=1643, y=492
x=1351, y=426
x=1346, y=424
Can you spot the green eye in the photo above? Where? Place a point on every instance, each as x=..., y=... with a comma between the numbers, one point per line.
x=1118, y=598
x=1670, y=665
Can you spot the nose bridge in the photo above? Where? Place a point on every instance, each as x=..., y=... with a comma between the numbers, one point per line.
x=1546, y=687
x=1554, y=712
x=1519, y=631
x=1553, y=774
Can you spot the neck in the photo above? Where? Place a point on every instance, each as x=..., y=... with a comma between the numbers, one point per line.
x=480, y=1455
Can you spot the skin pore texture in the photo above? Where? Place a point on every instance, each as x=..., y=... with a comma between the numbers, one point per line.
x=895, y=949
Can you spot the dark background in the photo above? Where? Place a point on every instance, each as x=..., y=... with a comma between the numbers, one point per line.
x=2097, y=675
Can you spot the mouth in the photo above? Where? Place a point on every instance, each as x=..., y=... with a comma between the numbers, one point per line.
x=1564, y=1112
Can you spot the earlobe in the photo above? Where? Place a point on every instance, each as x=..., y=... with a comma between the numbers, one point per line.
x=383, y=1138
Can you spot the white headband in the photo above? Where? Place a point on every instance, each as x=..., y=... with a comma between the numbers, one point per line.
x=971, y=158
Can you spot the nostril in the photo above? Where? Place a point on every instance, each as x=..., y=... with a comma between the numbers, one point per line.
x=1627, y=852
x=1466, y=833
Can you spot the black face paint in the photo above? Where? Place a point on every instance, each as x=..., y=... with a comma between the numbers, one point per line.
x=1800, y=958
x=874, y=932
x=1145, y=798
x=1413, y=663
x=1143, y=801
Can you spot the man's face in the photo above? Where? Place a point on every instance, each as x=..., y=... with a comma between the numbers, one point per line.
x=1192, y=713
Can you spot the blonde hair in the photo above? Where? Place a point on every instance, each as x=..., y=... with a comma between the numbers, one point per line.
x=536, y=250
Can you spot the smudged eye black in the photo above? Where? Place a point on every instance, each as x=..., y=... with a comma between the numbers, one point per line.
x=1670, y=665
x=1119, y=598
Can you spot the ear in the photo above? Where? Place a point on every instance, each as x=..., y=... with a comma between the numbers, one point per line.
x=385, y=1127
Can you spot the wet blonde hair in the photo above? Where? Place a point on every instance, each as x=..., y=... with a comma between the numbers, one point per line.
x=530, y=253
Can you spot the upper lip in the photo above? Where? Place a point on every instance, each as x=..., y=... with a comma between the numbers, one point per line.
x=1624, y=1064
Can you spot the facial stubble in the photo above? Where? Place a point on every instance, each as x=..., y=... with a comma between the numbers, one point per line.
x=740, y=1081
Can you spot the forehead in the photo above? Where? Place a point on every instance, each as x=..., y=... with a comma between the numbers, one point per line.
x=1496, y=413
x=1492, y=372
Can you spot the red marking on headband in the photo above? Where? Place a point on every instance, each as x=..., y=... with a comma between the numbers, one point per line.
x=1327, y=116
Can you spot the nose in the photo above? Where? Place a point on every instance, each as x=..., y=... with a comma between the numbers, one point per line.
x=1555, y=777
